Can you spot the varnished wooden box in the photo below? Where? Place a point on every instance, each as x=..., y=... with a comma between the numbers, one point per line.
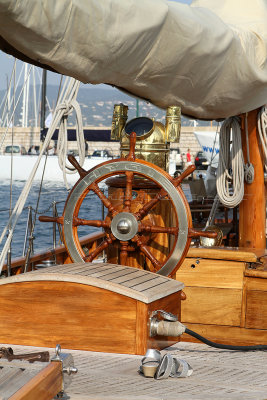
x=226, y=295
x=98, y=307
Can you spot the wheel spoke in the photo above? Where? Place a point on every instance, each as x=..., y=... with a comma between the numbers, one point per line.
x=123, y=253
x=158, y=229
x=128, y=190
x=97, y=223
x=107, y=203
x=162, y=193
x=145, y=250
x=100, y=248
x=189, y=170
x=46, y=218
x=147, y=207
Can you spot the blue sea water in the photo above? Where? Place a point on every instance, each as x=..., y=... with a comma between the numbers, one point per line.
x=43, y=233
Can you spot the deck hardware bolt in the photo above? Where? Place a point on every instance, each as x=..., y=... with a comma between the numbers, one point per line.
x=58, y=351
x=70, y=370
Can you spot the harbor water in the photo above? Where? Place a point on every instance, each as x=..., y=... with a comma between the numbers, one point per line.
x=43, y=232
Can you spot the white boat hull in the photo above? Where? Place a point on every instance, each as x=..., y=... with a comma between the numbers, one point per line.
x=23, y=165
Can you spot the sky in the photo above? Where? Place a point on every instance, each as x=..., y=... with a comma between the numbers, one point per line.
x=7, y=62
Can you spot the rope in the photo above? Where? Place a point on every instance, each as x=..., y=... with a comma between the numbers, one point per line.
x=215, y=205
x=248, y=168
x=66, y=97
x=62, y=146
x=230, y=175
x=262, y=129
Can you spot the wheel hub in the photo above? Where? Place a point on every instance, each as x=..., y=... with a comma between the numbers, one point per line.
x=124, y=226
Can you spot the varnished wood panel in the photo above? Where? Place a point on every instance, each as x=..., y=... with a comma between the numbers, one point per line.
x=212, y=306
x=211, y=273
x=256, y=284
x=256, y=309
x=45, y=385
x=141, y=328
x=74, y=315
x=256, y=273
x=227, y=334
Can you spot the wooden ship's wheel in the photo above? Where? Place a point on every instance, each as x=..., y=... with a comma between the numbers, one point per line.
x=123, y=226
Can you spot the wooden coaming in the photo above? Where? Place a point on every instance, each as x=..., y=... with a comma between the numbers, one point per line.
x=45, y=385
x=227, y=253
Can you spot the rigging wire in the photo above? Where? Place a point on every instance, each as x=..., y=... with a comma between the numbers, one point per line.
x=31, y=238
x=67, y=97
x=214, y=142
x=9, y=253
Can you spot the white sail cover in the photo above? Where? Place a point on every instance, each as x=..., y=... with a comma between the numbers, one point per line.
x=209, y=58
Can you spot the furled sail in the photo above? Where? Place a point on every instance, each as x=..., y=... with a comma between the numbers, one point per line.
x=209, y=58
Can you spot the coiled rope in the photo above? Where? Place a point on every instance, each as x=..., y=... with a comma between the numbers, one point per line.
x=230, y=174
x=262, y=129
x=68, y=97
x=66, y=107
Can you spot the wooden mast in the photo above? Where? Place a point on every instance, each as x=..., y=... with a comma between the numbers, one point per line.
x=252, y=210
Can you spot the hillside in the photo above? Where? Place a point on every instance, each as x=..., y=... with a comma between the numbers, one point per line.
x=96, y=103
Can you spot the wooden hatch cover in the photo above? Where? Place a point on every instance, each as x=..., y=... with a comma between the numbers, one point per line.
x=99, y=307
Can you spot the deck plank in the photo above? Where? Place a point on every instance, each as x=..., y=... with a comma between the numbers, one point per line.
x=218, y=374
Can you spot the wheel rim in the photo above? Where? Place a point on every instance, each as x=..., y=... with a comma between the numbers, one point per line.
x=121, y=167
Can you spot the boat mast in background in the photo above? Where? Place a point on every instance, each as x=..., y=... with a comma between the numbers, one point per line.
x=43, y=99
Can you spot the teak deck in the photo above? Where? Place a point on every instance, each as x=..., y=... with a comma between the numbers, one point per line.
x=217, y=374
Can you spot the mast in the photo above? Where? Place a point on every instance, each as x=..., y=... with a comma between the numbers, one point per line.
x=252, y=210
x=43, y=99
x=25, y=100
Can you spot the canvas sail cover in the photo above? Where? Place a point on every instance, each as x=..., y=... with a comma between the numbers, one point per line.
x=209, y=57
